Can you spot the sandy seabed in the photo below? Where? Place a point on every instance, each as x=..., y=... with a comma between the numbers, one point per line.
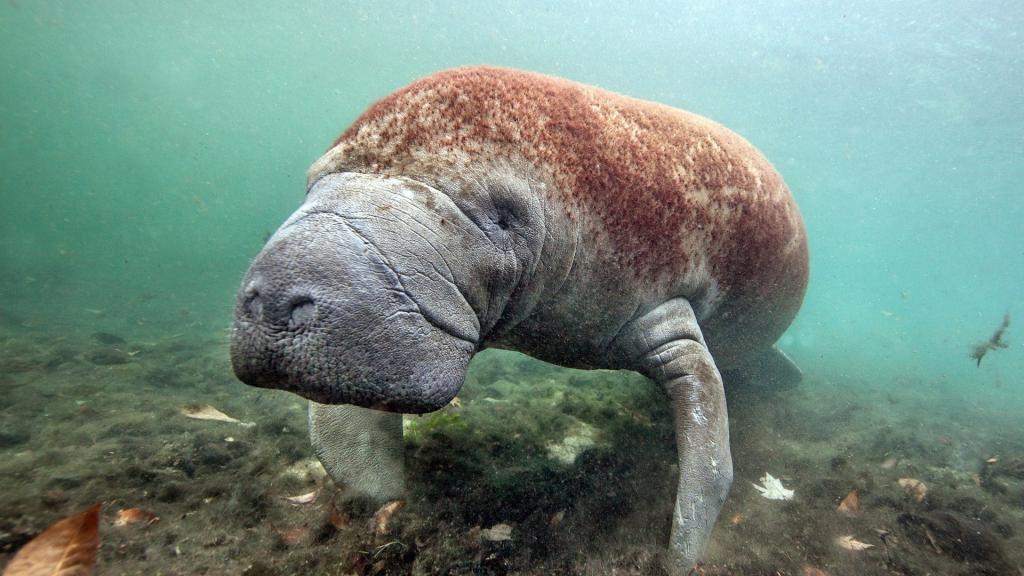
x=577, y=466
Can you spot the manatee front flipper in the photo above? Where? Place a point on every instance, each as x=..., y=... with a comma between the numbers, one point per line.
x=360, y=448
x=667, y=346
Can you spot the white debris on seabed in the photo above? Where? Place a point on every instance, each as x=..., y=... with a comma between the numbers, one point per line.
x=497, y=533
x=207, y=412
x=306, y=498
x=773, y=489
x=580, y=437
x=850, y=543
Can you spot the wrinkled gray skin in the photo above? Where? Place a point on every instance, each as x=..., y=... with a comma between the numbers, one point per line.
x=374, y=296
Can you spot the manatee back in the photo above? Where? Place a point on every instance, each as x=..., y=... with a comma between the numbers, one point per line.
x=679, y=200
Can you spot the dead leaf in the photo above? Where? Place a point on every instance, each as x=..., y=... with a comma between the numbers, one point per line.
x=850, y=505
x=992, y=460
x=206, y=412
x=556, y=519
x=914, y=487
x=736, y=519
x=383, y=516
x=849, y=543
x=292, y=536
x=338, y=517
x=67, y=548
x=135, y=516
x=497, y=533
x=306, y=498
x=808, y=570
x=888, y=464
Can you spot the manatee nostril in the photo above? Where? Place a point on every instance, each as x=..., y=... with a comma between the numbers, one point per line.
x=302, y=312
x=253, y=306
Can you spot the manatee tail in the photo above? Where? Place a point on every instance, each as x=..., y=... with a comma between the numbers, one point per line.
x=773, y=369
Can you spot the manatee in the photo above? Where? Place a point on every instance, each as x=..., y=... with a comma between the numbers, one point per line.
x=494, y=208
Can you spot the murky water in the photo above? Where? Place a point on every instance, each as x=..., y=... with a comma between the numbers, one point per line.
x=147, y=152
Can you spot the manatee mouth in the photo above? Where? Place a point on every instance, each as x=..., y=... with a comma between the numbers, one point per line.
x=322, y=313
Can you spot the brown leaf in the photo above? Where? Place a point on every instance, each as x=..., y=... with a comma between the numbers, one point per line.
x=338, y=518
x=67, y=548
x=808, y=570
x=382, y=517
x=205, y=412
x=556, y=519
x=135, y=516
x=292, y=536
x=850, y=505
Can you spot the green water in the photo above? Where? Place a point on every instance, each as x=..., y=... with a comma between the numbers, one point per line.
x=147, y=149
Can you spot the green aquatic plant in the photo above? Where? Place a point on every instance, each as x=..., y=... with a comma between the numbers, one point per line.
x=440, y=422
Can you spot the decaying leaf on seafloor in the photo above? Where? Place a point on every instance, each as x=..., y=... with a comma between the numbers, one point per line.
x=135, y=516
x=382, y=517
x=851, y=543
x=992, y=460
x=207, y=412
x=994, y=342
x=67, y=548
x=914, y=487
x=850, y=505
x=773, y=489
x=338, y=518
x=736, y=519
x=556, y=519
x=306, y=498
x=808, y=570
x=292, y=536
x=888, y=464
x=497, y=533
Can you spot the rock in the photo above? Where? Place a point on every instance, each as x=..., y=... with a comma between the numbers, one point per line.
x=581, y=437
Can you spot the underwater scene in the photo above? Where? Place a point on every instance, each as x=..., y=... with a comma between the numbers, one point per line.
x=345, y=288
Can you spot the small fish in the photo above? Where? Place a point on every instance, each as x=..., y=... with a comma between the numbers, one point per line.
x=995, y=342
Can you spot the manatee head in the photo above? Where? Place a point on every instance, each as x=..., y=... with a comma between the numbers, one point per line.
x=374, y=293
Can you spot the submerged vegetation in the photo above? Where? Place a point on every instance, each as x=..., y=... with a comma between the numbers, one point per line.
x=535, y=470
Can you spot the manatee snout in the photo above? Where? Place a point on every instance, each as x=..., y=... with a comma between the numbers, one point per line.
x=323, y=313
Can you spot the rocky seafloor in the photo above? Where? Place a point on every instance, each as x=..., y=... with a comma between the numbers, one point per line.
x=536, y=470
